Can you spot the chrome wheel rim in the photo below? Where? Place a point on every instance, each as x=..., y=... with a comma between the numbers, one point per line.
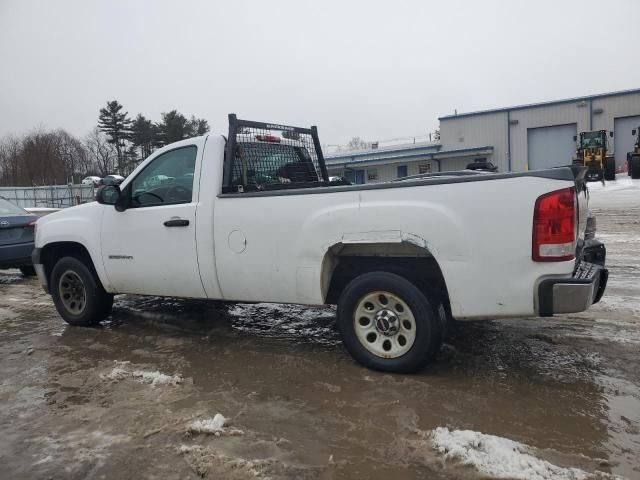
x=72, y=292
x=384, y=324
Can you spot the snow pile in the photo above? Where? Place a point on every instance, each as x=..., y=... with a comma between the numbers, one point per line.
x=214, y=426
x=156, y=378
x=120, y=372
x=208, y=425
x=116, y=374
x=622, y=182
x=189, y=448
x=498, y=457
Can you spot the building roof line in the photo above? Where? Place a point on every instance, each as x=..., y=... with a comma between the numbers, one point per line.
x=393, y=148
x=542, y=104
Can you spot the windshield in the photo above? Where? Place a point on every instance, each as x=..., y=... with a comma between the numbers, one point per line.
x=8, y=209
x=592, y=140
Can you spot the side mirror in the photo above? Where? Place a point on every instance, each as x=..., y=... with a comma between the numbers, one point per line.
x=633, y=132
x=108, y=195
x=611, y=133
x=575, y=138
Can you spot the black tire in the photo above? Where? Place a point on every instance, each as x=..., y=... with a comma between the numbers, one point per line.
x=610, y=169
x=427, y=319
x=593, y=175
x=28, y=271
x=94, y=304
x=634, y=166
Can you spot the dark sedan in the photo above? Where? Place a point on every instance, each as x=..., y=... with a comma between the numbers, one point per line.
x=16, y=237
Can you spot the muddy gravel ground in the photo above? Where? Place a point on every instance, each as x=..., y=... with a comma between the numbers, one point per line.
x=137, y=397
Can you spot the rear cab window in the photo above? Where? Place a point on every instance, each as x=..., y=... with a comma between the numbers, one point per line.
x=267, y=164
x=261, y=156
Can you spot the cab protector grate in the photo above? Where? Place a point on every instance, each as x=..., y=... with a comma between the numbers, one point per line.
x=266, y=156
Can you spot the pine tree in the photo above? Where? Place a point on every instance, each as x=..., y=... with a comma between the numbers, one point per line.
x=173, y=127
x=116, y=126
x=197, y=127
x=144, y=135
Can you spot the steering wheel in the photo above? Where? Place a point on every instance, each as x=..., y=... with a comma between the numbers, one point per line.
x=178, y=192
x=137, y=197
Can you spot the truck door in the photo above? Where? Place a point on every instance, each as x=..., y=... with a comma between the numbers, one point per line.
x=150, y=248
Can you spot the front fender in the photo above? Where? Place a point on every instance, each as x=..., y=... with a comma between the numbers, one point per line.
x=81, y=225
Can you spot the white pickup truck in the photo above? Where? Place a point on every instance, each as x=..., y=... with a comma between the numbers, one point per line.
x=253, y=217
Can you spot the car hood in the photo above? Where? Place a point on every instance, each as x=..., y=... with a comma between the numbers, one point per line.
x=86, y=209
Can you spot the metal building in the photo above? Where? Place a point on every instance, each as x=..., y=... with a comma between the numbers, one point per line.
x=520, y=138
x=529, y=137
x=383, y=164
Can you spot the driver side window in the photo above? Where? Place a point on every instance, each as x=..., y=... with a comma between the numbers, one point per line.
x=168, y=179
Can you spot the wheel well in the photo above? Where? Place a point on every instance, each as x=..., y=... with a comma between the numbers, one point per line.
x=424, y=272
x=53, y=252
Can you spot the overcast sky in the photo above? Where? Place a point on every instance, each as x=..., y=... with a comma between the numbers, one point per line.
x=378, y=70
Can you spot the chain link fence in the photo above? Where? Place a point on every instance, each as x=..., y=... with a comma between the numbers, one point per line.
x=54, y=196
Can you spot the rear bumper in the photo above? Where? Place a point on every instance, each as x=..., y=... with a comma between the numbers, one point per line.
x=578, y=292
x=16, y=255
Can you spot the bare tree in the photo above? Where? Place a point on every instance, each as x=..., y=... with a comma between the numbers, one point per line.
x=10, y=152
x=101, y=153
x=42, y=158
x=39, y=164
x=73, y=155
x=356, y=143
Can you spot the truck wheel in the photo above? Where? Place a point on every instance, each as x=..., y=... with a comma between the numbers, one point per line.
x=28, y=271
x=78, y=294
x=634, y=166
x=610, y=169
x=594, y=176
x=388, y=324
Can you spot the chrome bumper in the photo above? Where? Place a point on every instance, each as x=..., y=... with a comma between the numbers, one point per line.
x=574, y=294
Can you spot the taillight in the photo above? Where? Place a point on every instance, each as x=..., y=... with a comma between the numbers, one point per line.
x=554, y=226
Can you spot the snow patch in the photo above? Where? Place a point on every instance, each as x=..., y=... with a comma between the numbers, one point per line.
x=214, y=426
x=189, y=448
x=208, y=425
x=116, y=374
x=155, y=378
x=498, y=457
x=622, y=182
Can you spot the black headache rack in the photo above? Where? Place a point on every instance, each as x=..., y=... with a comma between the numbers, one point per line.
x=268, y=156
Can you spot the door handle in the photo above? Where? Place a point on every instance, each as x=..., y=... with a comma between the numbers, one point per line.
x=176, y=222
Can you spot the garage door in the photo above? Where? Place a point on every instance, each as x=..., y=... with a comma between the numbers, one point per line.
x=551, y=146
x=623, y=140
